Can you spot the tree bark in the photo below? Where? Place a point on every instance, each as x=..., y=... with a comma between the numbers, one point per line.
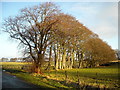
x=64, y=59
x=38, y=63
x=72, y=59
x=81, y=60
x=50, y=58
x=60, y=61
x=56, y=57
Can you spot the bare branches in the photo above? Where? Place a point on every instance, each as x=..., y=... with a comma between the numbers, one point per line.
x=33, y=28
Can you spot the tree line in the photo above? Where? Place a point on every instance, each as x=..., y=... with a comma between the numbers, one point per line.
x=4, y=59
x=45, y=31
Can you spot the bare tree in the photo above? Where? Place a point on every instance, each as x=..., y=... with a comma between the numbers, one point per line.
x=33, y=28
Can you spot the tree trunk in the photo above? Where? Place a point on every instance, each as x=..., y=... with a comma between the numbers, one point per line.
x=72, y=59
x=81, y=60
x=56, y=62
x=56, y=57
x=39, y=63
x=64, y=59
x=37, y=69
x=50, y=58
x=59, y=60
x=81, y=64
x=60, y=64
x=68, y=62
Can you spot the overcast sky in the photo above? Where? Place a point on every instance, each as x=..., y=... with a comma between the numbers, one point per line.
x=99, y=17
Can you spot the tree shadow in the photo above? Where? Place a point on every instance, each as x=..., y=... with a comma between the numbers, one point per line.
x=73, y=85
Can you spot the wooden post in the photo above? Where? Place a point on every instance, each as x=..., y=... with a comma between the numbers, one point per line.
x=66, y=76
x=96, y=78
x=78, y=79
x=56, y=74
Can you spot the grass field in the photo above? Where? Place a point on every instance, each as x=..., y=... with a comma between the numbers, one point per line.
x=15, y=63
x=101, y=77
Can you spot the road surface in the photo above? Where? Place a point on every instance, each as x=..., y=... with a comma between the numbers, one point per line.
x=10, y=82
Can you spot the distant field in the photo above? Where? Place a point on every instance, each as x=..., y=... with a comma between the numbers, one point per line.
x=14, y=63
x=97, y=77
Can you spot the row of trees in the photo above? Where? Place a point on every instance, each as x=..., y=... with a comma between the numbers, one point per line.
x=45, y=31
x=4, y=59
x=12, y=59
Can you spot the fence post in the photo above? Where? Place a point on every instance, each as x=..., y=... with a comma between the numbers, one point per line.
x=96, y=77
x=56, y=74
x=78, y=79
x=66, y=76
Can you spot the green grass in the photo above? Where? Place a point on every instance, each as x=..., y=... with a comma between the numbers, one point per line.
x=90, y=76
x=96, y=77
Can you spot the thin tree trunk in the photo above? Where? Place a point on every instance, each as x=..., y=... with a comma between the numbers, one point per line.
x=50, y=58
x=72, y=59
x=56, y=57
x=60, y=60
x=64, y=59
x=81, y=60
x=68, y=62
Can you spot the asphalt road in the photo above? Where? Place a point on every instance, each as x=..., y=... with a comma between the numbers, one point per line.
x=10, y=82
